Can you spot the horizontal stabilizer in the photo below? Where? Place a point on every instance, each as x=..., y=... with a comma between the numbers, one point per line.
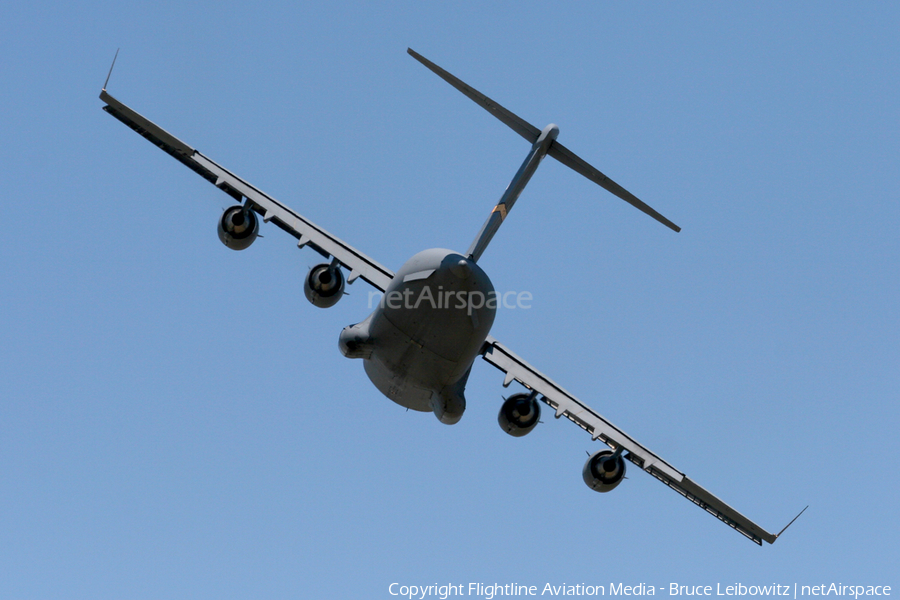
x=531, y=133
x=514, y=122
x=571, y=160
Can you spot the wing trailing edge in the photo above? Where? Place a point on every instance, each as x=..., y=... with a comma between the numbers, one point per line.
x=566, y=405
x=306, y=232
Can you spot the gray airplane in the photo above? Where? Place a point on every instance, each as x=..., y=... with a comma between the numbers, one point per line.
x=418, y=346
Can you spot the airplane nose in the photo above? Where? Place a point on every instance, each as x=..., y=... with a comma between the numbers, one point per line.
x=462, y=269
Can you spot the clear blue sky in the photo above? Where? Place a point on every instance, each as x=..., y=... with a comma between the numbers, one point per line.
x=177, y=422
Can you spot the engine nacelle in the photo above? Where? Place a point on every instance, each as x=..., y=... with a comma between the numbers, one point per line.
x=324, y=285
x=603, y=471
x=238, y=227
x=519, y=414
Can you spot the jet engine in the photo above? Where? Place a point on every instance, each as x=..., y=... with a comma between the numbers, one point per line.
x=604, y=470
x=519, y=414
x=238, y=227
x=324, y=285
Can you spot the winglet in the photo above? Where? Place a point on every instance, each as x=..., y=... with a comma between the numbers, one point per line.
x=792, y=521
x=111, y=68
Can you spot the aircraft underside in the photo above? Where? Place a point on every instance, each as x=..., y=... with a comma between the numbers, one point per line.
x=419, y=344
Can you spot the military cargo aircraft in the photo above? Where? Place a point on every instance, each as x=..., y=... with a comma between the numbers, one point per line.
x=434, y=320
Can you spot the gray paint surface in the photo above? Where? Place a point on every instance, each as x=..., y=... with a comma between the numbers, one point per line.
x=420, y=356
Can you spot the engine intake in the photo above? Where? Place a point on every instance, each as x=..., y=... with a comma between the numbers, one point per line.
x=519, y=414
x=604, y=470
x=238, y=227
x=324, y=285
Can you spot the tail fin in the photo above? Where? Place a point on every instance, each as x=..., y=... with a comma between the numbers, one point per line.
x=532, y=133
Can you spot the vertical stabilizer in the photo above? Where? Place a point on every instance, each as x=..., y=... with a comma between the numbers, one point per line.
x=515, y=187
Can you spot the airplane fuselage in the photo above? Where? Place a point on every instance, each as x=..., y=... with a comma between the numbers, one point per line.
x=419, y=344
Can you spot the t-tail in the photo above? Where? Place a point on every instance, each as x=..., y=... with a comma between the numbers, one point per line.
x=543, y=143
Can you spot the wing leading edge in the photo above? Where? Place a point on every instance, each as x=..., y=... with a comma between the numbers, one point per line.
x=566, y=405
x=307, y=233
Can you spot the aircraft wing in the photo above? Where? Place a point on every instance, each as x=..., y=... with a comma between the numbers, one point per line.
x=306, y=232
x=567, y=405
